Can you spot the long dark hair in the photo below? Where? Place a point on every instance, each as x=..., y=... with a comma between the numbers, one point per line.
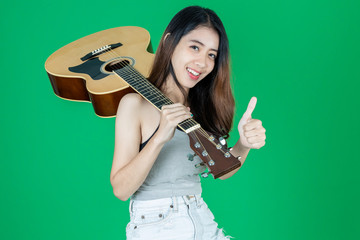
x=211, y=100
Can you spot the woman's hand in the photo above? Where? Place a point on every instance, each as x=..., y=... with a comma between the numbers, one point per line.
x=252, y=133
x=171, y=116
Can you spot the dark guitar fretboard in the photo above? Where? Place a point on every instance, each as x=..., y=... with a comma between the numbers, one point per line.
x=146, y=89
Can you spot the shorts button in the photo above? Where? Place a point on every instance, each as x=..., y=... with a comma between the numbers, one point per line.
x=160, y=215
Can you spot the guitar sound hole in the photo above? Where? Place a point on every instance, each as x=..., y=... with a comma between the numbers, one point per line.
x=116, y=64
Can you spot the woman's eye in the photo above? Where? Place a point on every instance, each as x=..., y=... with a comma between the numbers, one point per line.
x=211, y=55
x=195, y=48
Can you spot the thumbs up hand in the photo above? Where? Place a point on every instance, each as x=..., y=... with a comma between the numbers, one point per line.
x=252, y=133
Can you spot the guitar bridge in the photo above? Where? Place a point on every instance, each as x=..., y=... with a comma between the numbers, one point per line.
x=99, y=51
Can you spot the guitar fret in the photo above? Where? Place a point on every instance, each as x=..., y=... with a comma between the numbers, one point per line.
x=188, y=124
x=142, y=87
x=147, y=90
x=161, y=103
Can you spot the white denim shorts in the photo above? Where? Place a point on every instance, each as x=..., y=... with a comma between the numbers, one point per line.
x=186, y=218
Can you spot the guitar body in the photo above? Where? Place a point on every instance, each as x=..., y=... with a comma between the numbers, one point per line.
x=81, y=70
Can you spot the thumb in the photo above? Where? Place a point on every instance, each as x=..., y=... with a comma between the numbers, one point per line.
x=250, y=109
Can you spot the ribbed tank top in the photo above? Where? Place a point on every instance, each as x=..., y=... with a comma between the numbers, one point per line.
x=174, y=172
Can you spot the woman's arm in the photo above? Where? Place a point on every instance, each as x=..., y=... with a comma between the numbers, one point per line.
x=131, y=167
x=252, y=136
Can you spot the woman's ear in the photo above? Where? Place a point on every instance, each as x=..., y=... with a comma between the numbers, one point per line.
x=168, y=34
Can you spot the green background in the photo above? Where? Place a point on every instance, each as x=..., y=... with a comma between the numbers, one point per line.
x=300, y=58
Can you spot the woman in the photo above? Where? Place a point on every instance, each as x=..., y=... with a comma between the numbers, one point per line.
x=153, y=162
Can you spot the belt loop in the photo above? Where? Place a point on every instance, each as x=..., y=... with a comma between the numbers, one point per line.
x=186, y=200
x=197, y=198
x=175, y=203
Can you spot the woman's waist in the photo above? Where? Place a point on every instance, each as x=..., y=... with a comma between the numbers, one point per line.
x=166, y=190
x=172, y=202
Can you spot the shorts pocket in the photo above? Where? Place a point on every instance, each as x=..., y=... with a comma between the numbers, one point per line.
x=151, y=216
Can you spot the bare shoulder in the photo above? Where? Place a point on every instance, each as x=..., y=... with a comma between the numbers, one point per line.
x=136, y=104
x=128, y=119
x=129, y=101
x=138, y=115
x=131, y=105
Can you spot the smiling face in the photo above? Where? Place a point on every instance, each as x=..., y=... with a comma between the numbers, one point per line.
x=194, y=56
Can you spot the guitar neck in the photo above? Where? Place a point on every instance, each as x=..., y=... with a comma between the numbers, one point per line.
x=152, y=94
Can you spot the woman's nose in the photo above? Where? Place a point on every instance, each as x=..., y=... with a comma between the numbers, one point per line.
x=201, y=61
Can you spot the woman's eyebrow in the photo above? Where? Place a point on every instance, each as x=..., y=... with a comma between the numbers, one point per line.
x=197, y=41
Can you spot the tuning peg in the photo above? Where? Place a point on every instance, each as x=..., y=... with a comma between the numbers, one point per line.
x=199, y=164
x=191, y=156
x=205, y=174
x=222, y=141
x=227, y=154
x=211, y=162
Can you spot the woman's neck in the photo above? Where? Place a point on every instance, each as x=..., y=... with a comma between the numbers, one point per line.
x=172, y=91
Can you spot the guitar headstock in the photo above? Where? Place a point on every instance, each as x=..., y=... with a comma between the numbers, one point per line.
x=213, y=152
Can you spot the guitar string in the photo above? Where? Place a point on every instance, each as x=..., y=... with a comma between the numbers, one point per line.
x=151, y=88
x=155, y=90
x=124, y=65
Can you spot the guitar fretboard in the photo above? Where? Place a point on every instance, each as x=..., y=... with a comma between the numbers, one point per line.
x=147, y=90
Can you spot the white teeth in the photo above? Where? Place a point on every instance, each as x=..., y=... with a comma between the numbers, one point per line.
x=192, y=72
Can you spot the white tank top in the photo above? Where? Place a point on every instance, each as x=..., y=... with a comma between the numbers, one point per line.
x=174, y=173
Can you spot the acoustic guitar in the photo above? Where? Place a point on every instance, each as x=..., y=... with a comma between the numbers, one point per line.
x=102, y=67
